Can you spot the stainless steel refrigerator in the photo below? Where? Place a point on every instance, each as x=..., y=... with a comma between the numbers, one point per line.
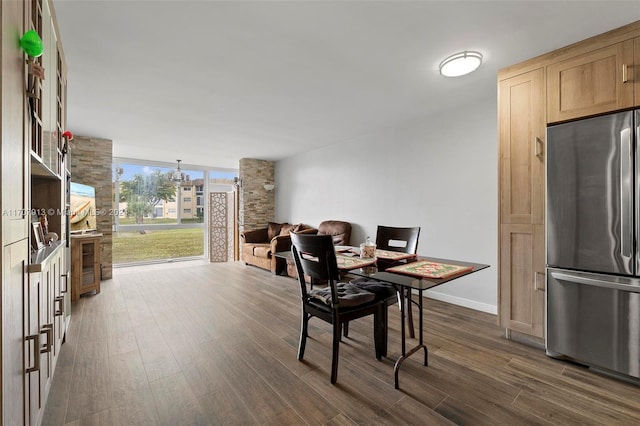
x=593, y=227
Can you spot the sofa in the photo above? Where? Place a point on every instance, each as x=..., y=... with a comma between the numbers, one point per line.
x=258, y=246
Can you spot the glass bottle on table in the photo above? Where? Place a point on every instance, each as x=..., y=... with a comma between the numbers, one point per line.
x=368, y=249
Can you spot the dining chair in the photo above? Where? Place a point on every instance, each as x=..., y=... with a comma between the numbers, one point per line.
x=337, y=303
x=403, y=240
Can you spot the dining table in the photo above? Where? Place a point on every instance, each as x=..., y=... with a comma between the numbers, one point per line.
x=408, y=274
x=416, y=275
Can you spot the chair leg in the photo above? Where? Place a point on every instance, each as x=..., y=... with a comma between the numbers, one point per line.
x=345, y=329
x=303, y=335
x=385, y=328
x=409, y=312
x=379, y=332
x=334, y=355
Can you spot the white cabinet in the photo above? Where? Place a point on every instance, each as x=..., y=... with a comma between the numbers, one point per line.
x=45, y=318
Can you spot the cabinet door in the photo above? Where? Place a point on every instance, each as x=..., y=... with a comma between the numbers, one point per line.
x=636, y=71
x=17, y=352
x=522, y=146
x=522, y=279
x=32, y=307
x=58, y=303
x=593, y=83
x=13, y=113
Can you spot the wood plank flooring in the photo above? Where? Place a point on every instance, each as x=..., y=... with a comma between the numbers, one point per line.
x=194, y=343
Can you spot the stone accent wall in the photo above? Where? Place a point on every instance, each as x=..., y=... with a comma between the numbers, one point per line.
x=90, y=163
x=257, y=206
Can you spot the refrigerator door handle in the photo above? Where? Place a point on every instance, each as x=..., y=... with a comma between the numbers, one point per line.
x=626, y=193
x=634, y=287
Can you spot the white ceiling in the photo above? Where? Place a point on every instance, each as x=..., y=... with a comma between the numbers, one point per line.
x=211, y=82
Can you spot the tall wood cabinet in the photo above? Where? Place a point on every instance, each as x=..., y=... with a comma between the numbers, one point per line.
x=35, y=297
x=521, y=106
x=595, y=76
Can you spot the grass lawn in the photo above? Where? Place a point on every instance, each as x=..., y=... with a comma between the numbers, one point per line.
x=157, y=245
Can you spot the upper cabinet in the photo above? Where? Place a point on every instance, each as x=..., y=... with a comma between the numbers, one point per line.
x=48, y=98
x=592, y=83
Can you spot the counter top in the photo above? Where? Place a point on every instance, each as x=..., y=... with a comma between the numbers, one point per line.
x=38, y=258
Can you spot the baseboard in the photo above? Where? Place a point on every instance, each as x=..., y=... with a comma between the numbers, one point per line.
x=483, y=307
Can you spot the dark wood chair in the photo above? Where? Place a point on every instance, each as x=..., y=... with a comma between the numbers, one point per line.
x=403, y=240
x=338, y=303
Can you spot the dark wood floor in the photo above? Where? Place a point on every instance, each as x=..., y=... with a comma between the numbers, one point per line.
x=216, y=344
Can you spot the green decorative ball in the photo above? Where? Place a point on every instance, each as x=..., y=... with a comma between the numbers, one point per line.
x=31, y=43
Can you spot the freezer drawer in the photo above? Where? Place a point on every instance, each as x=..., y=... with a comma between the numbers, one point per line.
x=594, y=319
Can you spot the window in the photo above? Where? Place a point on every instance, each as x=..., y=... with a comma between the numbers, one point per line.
x=155, y=212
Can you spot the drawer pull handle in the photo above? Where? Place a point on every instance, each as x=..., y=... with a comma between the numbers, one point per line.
x=36, y=352
x=48, y=330
x=66, y=283
x=59, y=309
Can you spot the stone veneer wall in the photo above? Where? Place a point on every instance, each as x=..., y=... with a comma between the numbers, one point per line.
x=91, y=164
x=257, y=206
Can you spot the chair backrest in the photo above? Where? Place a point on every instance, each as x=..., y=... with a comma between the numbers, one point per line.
x=404, y=240
x=338, y=229
x=315, y=256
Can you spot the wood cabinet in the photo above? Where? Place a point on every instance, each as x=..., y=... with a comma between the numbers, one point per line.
x=595, y=76
x=522, y=147
x=34, y=314
x=85, y=264
x=522, y=130
x=595, y=82
x=522, y=278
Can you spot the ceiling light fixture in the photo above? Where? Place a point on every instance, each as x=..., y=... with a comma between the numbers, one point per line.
x=460, y=63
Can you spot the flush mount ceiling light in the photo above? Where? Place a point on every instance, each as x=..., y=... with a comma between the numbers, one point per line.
x=460, y=63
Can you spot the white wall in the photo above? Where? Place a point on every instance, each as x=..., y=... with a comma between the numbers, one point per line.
x=439, y=172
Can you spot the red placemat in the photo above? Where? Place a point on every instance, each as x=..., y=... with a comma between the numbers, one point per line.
x=429, y=269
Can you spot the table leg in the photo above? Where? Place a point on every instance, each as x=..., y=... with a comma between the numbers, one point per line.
x=421, y=345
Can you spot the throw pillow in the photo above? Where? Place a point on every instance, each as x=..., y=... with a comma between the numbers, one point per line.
x=273, y=230
x=286, y=229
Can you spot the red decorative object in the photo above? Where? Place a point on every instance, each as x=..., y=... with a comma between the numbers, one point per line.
x=68, y=136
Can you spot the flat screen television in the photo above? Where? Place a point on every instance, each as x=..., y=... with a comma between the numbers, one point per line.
x=82, y=208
